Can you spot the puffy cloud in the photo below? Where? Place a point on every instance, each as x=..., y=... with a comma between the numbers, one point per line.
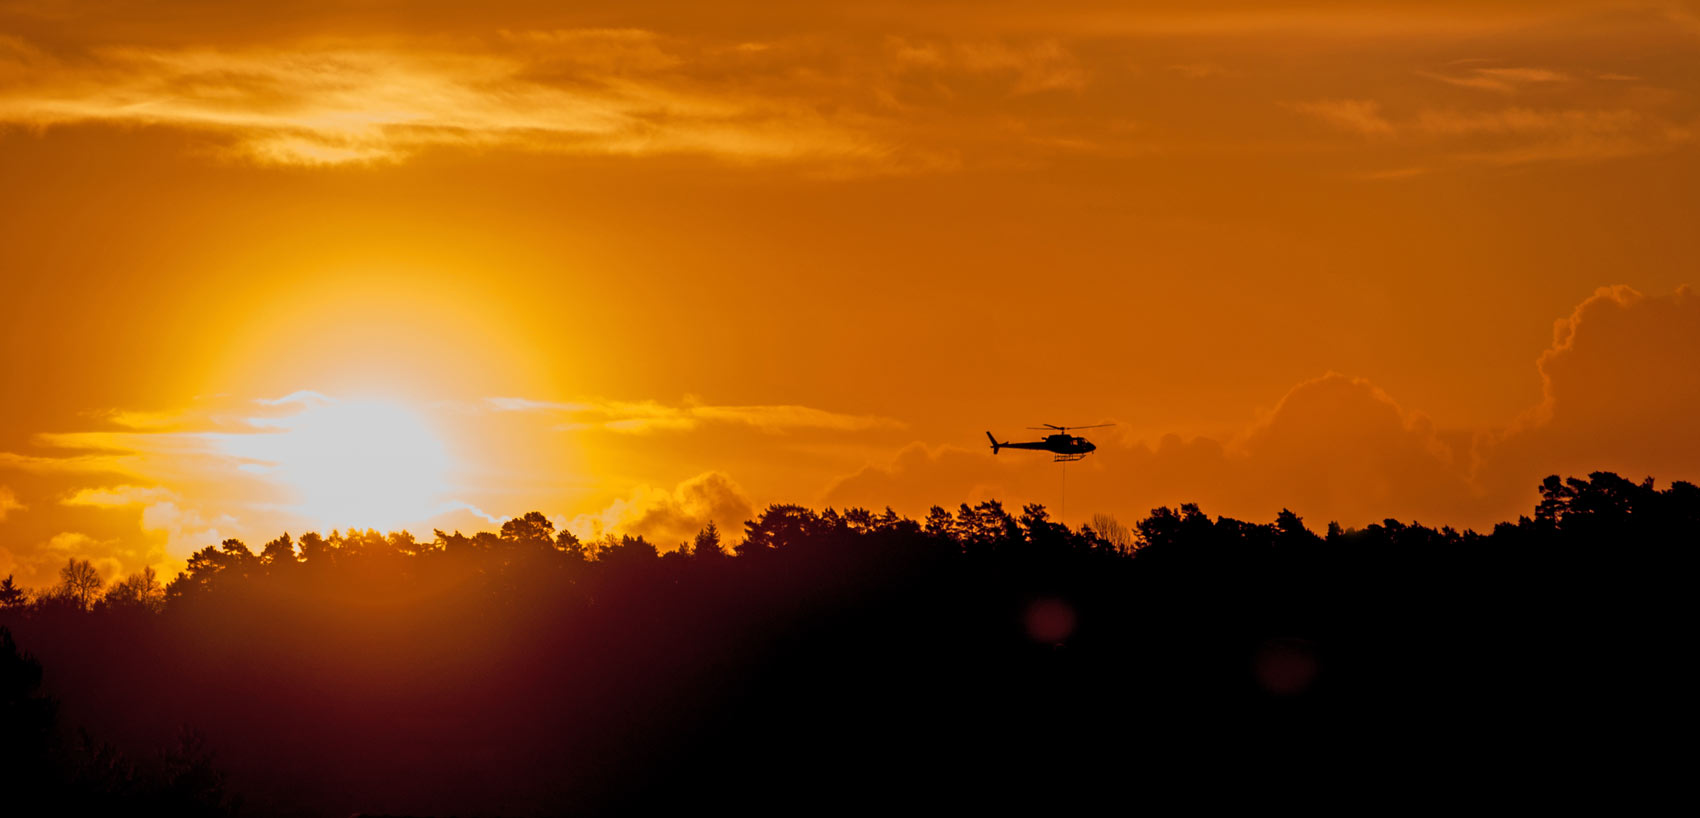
x=163, y=518
x=1611, y=362
x=668, y=517
x=1333, y=448
x=1341, y=448
x=38, y=566
x=8, y=502
x=919, y=475
x=1619, y=391
x=1620, y=395
x=167, y=531
x=183, y=530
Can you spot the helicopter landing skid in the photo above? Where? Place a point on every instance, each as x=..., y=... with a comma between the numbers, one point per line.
x=1067, y=458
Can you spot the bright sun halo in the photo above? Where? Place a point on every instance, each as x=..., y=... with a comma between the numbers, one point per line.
x=366, y=463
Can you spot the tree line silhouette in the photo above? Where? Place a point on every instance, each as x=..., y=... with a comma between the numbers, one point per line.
x=973, y=659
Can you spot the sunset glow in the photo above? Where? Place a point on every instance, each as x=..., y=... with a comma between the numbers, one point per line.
x=647, y=266
x=528, y=408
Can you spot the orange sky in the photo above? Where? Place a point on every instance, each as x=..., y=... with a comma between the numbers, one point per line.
x=646, y=264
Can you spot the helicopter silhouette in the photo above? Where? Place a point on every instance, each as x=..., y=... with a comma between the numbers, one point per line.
x=1065, y=446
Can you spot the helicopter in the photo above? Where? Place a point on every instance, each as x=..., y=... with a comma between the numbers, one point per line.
x=1065, y=446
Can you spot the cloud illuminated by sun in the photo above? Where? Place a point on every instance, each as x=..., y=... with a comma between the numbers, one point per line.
x=369, y=463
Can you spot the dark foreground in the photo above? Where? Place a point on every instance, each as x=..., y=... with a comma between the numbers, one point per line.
x=971, y=661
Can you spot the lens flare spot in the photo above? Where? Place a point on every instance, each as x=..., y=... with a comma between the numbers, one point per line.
x=1285, y=666
x=1050, y=621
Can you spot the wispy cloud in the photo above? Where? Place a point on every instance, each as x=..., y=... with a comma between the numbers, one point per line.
x=1524, y=135
x=69, y=464
x=1018, y=88
x=1357, y=115
x=1528, y=121
x=119, y=496
x=1198, y=70
x=1392, y=174
x=1501, y=80
x=1034, y=67
x=304, y=397
x=653, y=416
x=1505, y=136
x=611, y=93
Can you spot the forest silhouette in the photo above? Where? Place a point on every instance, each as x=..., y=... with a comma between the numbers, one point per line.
x=972, y=660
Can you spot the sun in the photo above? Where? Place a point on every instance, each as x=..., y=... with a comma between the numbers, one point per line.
x=364, y=463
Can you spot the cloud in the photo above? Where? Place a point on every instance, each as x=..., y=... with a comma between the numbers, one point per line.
x=668, y=517
x=137, y=455
x=118, y=496
x=1618, y=393
x=639, y=417
x=618, y=51
x=1391, y=174
x=140, y=420
x=168, y=531
x=1333, y=448
x=882, y=98
x=920, y=475
x=184, y=530
x=72, y=464
x=1515, y=135
x=528, y=405
x=1311, y=23
x=1501, y=80
x=251, y=468
x=9, y=502
x=1524, y=135
x=1361, y=116
x=1512, y=121
x=1198, y=70
x=171, y=528
x=1042, y=66
x=38, y=566
x=1343, y=447
x=595, y=91
x=303, y=397
x=783, y=417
